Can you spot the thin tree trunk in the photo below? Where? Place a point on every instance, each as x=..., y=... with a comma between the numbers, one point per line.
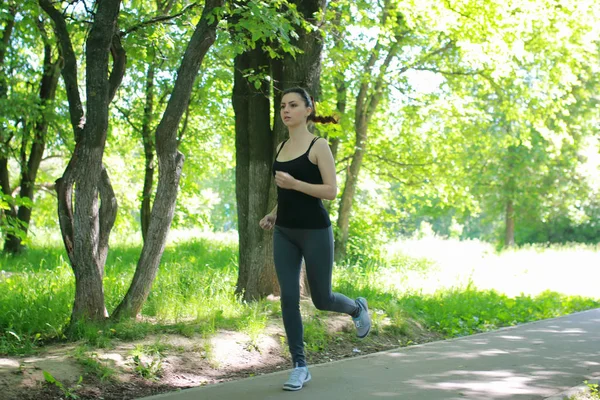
x=340, y=107
x=338, y=81
x=4, y=44
x=29, y=167
x=170, y=162
x=367, y=100
x=350, y=185
x=148, y=151
x=4, y=140
x=163, y=7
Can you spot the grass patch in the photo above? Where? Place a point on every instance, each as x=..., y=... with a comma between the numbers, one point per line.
x=92, y=365
x=446, y=288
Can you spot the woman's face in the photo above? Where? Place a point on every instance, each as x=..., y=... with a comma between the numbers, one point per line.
x=293, y=110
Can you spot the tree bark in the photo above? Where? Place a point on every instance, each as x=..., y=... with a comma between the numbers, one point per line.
x=170, y=163
x=91, y=230
x=69, y=70
x=163, y=8
x=148, y=151
x=340, y=107
x=254, y=153
x=4, y=140
x=4, y=44
x=30, y=166
x=86, y=229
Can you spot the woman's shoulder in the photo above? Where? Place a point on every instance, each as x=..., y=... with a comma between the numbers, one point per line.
x=320, y=142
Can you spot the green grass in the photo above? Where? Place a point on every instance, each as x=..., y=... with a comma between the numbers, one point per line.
x=591, y=392
x=89, y=360
x=460, y=288
x=454, y=288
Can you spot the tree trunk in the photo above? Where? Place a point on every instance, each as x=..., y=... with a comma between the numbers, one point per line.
x=170, y=163
x=340, y=107
x=254, y=153
x=29, y=168
x=4, y=43
x=86, y=230
x=257, y=278
x=347, y=199
x=509, y=238
x=367, y=100
x=91, y=230
x=148, y=151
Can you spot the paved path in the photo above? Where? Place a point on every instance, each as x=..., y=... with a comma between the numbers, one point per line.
x=530, y=361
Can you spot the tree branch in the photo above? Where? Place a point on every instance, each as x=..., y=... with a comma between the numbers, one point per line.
x=343, y=160
x=400, y=164
x=161, y=18
x=375, y=97
x=442, y=72
x=185, y=123
x=108, y=213
x=118, y=68
x=464, y=15
x=393, y=177
x=127, y=118
x=7, y=32
x=69, y=70
x=361, y=99
x=426, y=57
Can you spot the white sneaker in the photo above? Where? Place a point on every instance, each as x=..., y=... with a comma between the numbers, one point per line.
x=298, y=378
x=363, y=321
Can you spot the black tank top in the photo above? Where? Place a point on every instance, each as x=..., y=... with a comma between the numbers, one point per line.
x=296, y=209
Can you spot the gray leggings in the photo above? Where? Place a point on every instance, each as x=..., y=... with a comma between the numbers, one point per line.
x=316, y=246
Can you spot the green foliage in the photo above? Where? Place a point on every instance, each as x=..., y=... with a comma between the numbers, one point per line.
x=8, y=224
x=254, y=322
x=35, y=299
x=395, y=286
x=464, y=312
x=593, y=388
x=151, y=369
x=591, y=392
x=147, y=359
x=257, y=23
x=89, y=360
x=316, y=336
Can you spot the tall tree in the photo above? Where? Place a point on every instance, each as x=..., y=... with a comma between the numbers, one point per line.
x=152, y=56
x=86, y=229
x=33, y=142
x=373, y=82
x=257, y=135
x=170, y=161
